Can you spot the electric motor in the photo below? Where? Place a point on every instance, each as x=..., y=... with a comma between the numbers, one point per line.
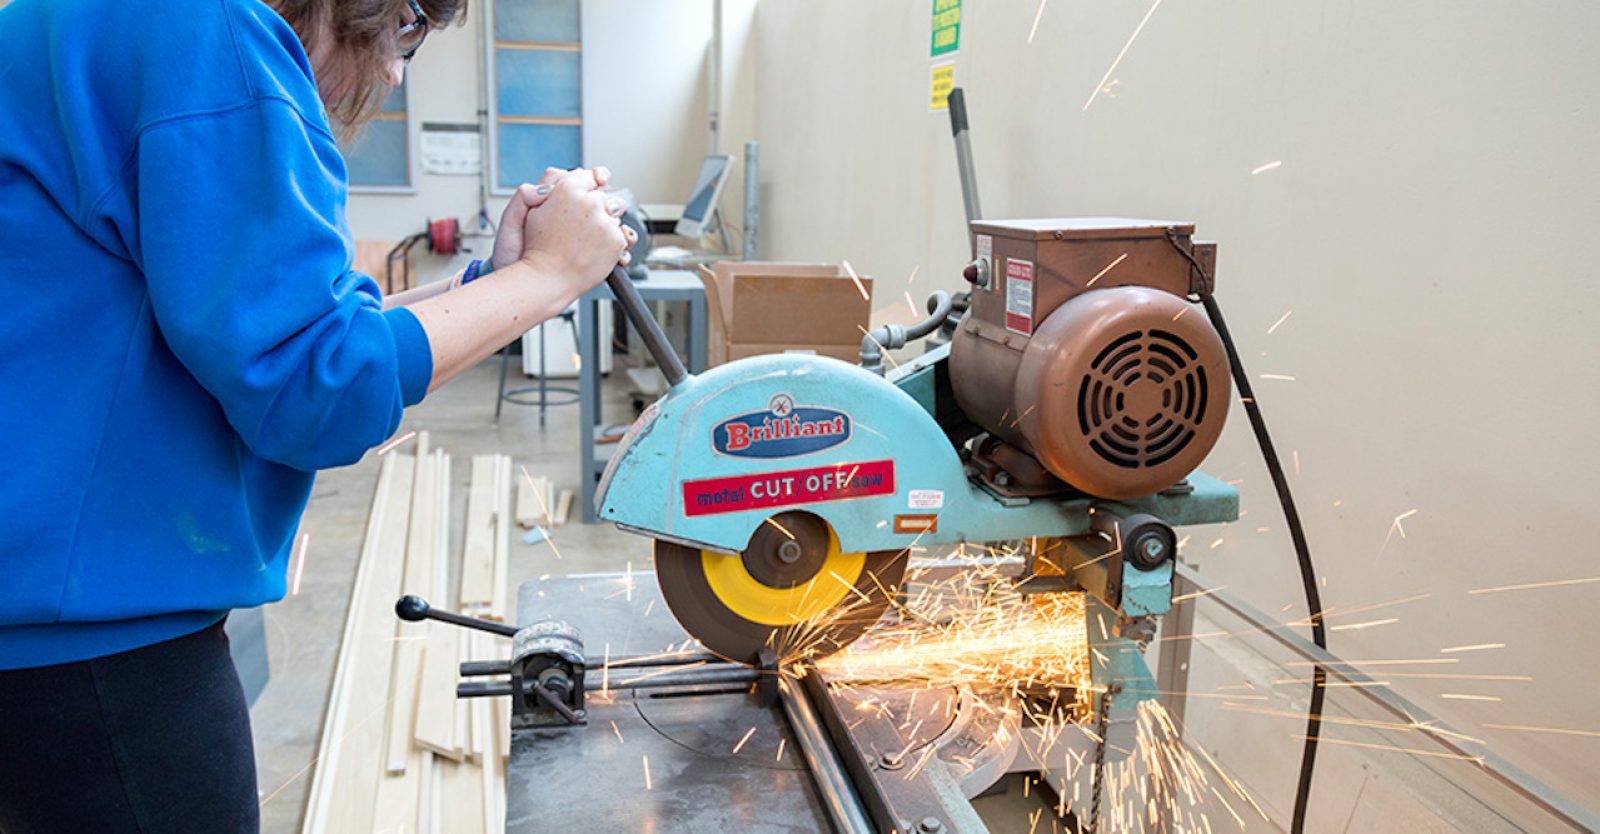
x=1082, y=351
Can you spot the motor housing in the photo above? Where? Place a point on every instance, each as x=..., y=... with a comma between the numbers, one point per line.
x=1081, y=350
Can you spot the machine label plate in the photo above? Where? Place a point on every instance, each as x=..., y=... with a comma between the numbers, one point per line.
x=1019, y=296
x=795, y=486
x=782, y=430
x=917, y=524
x=925, y=499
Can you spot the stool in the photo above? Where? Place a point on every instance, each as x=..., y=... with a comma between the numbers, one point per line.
x=540, y=394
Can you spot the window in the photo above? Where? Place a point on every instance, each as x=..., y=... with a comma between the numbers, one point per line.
x=536, y=79
x=379, y=157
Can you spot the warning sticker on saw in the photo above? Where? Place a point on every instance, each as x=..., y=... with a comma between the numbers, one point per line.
x=784, y=489
x=1019, y=296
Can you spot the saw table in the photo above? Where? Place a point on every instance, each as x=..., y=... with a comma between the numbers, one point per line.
x=717, y=760
x=697, y=782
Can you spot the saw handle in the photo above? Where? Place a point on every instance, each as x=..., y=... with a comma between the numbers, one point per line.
x=639, y=315
x=414, y=609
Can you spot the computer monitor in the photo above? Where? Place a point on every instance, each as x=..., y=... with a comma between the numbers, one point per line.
x=702, y=202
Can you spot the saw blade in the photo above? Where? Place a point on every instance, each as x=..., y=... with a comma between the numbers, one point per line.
x=792, y=590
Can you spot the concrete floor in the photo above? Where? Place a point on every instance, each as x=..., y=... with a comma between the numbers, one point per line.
x=304, y=630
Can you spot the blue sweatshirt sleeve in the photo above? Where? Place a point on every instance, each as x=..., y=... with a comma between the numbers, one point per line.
x=243, y=244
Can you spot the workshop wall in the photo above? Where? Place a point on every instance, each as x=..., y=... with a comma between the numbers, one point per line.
x=644, y=89
x=1428, y=228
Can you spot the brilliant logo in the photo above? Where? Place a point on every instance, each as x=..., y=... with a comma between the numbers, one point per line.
x=783, y=430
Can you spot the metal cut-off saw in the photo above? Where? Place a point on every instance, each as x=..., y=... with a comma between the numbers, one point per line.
x=1069, y=398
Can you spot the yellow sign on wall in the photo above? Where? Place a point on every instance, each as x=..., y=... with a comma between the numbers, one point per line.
x=940, y=83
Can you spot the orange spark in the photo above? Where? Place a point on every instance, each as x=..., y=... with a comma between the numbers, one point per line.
x=384, y=449
x=300, y=561
x=1368, y=624
x=1475, y=648
x=860, y=287
x=1197, y=594
x=1101, y=273
x=549, y=537
x=1526, y=729
x=1113, y=68
x=781, y=528
x=1532, y=585
x=1036, y=15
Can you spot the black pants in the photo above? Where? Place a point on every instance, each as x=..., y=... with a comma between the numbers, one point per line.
x=151, y=740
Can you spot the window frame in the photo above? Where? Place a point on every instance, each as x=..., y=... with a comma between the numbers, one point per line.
x=491, y=117
x=410, y=186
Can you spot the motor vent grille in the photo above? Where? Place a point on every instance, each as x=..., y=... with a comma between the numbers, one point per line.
x=1143, y=399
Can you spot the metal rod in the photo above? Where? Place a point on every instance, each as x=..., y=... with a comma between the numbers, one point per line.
x=969, y=177
x=673, y=659
x=720, y=674
x=654, y=340
x=685, y=677
x=479, y=668
x=843, y=805
x=483, y=689
x=752, y=197
x=1503, y=771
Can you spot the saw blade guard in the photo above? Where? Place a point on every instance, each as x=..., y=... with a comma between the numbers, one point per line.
x=727, y=449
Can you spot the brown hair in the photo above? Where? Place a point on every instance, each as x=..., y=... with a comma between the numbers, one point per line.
x=362, y=32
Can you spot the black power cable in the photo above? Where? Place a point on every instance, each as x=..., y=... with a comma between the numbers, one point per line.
x=1302, y=551
x=1297, y=533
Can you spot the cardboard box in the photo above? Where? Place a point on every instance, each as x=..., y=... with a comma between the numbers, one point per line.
x=757, y=308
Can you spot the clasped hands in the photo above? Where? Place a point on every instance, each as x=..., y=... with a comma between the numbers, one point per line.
x=565, y=224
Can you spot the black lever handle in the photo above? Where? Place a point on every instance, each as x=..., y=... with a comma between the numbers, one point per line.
x=958, y=111
x=416, y=609
x=639, y=315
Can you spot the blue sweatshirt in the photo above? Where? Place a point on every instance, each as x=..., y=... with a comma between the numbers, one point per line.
x=182, y=340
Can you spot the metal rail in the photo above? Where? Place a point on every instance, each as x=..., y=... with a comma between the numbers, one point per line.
x=1508, y=774
x=837, y=793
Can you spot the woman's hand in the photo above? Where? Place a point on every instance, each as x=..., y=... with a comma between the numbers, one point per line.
x=508, y=238
x=556, y=240
x=575, y=233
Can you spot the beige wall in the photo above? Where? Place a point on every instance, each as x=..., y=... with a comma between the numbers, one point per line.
x=1430, y=227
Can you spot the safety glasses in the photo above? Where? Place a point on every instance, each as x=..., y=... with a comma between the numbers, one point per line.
x=411, y=35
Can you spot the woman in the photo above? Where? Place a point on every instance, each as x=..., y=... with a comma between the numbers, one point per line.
x=183, y=345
